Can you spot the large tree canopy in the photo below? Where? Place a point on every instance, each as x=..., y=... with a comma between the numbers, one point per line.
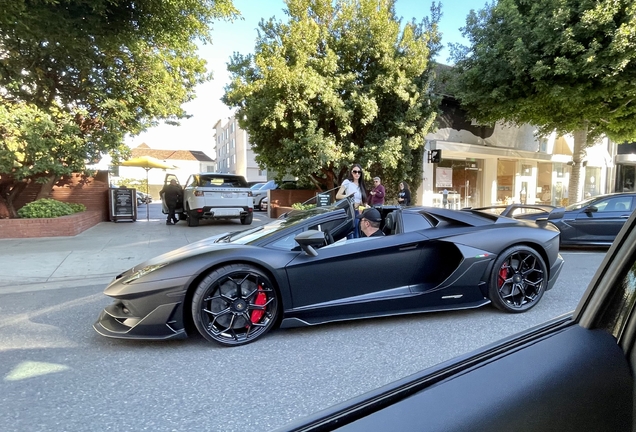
x=341, y=82
x=92, y=71
x=563, y=65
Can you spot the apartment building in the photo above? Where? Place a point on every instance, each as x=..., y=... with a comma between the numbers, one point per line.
x=234, y=152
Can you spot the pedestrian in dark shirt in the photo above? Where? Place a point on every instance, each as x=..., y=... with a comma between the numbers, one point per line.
x=376, y=196
x=171, y=194
x=370, y=223
x=404, y=195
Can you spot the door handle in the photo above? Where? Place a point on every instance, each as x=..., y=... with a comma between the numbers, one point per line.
x=408, y=247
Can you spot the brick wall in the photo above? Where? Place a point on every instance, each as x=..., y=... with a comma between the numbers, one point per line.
x=50, y=227
x=284, y=198
x=92, y=192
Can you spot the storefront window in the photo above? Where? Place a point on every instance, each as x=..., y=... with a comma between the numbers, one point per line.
x=592, y=182
x=505, y=181
x=544, y=183
x=626, y=178
x=460, y=181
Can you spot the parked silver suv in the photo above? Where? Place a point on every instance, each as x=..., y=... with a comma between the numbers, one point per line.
x=215, y=196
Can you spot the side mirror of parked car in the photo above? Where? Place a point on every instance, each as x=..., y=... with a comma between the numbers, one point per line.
x=591, y=209
x=309, y=240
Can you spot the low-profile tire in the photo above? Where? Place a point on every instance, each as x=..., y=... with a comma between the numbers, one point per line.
x=247, y=220
x=235, y=305
x=518, y=280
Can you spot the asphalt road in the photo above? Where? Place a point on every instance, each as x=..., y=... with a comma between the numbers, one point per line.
x=59, y=375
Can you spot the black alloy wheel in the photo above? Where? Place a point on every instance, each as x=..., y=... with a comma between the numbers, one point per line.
x=519, y=279
x=235, y=305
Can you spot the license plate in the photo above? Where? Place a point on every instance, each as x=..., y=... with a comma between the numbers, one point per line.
x=227, y=194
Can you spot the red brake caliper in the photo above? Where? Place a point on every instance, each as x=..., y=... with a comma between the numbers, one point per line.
x=260, y=300
x=503, y=275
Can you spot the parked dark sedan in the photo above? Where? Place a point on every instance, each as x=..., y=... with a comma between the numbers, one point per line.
x=574, y=373
x=302, y=270
x=593, y=222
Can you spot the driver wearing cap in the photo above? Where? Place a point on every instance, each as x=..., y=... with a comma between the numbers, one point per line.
x=370, y=223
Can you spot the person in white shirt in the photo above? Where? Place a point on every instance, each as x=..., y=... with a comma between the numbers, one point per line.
x=354, y=186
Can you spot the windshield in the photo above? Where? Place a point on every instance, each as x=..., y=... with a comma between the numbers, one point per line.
x=262, y=231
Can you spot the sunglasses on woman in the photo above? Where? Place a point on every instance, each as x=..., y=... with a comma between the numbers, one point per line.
x=356, y=172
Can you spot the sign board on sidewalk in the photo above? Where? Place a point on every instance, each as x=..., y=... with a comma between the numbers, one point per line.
x=123, y=204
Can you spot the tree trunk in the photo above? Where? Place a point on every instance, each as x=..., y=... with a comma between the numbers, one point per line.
x=46, y=188
x=578, y=153
x=9, y=191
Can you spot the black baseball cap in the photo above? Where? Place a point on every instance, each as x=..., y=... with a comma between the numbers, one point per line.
x=370, y=214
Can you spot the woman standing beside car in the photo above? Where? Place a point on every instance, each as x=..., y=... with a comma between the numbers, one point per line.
x=354, y=186
x=404, y=195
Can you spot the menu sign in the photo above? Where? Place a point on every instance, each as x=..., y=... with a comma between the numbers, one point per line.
x=123, y=204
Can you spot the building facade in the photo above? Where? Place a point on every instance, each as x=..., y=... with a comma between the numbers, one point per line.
x=234, y=152
x=493, y=165
x=186, y=162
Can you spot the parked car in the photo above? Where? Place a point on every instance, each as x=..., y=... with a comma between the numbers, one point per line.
x=302, y=270
x=261, y=193
x=573, y=373
x=592, y=222
x=214, y=196
x=265, y=204
x=143, y=198
x=255, y=186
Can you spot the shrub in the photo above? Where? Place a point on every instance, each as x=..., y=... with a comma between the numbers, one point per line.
x=49, y=208
x=77, y=207
x=300, y=206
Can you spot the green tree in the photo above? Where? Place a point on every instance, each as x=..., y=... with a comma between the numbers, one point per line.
x=340, y=82
x=90, y=72
x=564, y=65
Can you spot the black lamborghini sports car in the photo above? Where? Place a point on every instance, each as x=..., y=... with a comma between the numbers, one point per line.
x=302, y=270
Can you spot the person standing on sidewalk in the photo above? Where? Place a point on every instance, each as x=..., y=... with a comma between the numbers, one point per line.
x=376, y=196
x=354, y=186
x=171, y=194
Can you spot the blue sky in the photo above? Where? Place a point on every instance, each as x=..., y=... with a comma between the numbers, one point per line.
x=196, y=133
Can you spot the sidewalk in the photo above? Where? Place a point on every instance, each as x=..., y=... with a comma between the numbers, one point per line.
x=100, y=253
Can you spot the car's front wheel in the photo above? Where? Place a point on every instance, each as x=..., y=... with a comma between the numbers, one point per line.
x=235, y=305
x=518, y=280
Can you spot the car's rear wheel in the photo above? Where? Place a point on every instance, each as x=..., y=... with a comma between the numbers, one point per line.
x=193, y=218
x=518, y=280
x=247, y=220
x=235, y=305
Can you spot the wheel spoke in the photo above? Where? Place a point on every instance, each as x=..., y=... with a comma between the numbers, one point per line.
x=215, y=315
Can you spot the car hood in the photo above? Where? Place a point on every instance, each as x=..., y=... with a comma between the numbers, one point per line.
x=187, y=251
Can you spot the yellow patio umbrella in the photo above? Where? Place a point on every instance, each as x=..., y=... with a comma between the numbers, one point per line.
x=147, y=163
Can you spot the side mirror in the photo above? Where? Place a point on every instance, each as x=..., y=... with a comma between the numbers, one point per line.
x=591, y=209
x=309, y=240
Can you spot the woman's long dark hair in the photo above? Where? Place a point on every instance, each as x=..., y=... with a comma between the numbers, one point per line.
x=406, y=186
x=363, y=189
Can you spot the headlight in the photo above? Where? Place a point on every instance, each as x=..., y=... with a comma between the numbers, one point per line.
x=142, y=272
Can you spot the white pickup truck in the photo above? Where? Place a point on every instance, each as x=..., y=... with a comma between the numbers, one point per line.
x=214, y=196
